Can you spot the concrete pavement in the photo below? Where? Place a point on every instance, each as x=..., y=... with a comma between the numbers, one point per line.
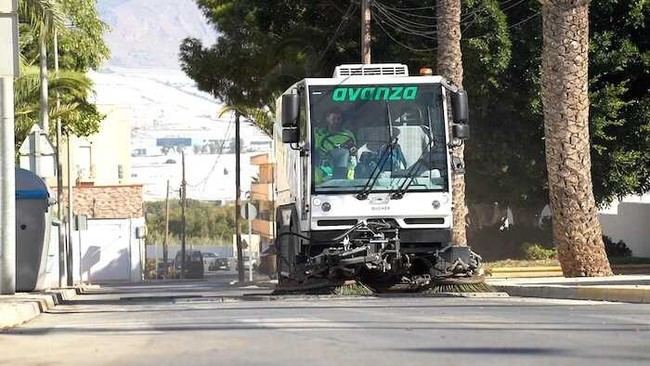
x=203, y=322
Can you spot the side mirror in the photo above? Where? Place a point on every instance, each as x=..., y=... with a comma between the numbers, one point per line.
x=290, y=110
x=290, y=135
x=460, y=131
x=460, y=107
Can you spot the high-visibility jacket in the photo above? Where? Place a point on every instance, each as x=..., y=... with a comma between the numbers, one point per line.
x=325, y=141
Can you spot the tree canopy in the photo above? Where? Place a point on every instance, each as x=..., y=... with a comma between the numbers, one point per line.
x=207, y=223
x=265, y=46
x=81, y=48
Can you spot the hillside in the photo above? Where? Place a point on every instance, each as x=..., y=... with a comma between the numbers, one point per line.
x=147, y=33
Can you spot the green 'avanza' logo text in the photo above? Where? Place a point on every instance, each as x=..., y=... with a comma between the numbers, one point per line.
x=348, y=94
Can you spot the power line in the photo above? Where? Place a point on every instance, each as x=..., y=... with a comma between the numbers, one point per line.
x=525, y=20
x=337, y=32
x=400, y=27
x=387, y=18
x=380, y=23
x=219, y=153
x=400, y=19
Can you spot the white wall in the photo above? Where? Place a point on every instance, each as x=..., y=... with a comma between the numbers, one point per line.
x=109, y=251
x=629, y=220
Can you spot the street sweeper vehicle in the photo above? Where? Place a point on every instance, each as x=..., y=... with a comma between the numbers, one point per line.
x=364, y=167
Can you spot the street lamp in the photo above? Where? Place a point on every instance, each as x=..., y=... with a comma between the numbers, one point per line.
x=8, y=70
x=65, y=240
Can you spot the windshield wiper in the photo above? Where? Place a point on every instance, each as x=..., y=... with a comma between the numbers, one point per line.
x=383, y=157
x=376, y=172
x=413, y=170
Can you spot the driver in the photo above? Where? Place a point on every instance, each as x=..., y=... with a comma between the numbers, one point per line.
x=334, y=147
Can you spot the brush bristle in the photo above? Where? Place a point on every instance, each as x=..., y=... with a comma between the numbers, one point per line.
x=352, y=289
x=460, y=288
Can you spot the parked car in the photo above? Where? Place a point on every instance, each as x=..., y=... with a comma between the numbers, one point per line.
x=209, y=258
x=193, y=264
x=246, y=260
x=220, y=264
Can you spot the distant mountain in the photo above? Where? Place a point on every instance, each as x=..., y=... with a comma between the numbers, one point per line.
x=147, y=33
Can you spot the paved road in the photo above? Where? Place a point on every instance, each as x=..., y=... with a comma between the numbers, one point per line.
x=207, y=323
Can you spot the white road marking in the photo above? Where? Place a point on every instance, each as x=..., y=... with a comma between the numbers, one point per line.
x=297, y=324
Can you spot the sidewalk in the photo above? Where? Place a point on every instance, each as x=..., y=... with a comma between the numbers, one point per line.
x=23, y=307
x=626, y=288
x=556, y=271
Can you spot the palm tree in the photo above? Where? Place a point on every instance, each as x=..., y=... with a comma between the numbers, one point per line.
x=74, y=86
x=450, y=65
x=44, y=17
x=576, y=230
x=261, y=117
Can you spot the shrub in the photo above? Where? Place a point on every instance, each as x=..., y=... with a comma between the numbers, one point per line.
x=538, y=252
x=618, y=249
x=493, y=243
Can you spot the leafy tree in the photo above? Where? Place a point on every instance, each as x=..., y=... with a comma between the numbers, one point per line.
x=507, y=150
x=506, y=163
x=79, y=29
x=81, y=47
x=207, y=223
x=264, y=47
x=74, y=86
x=619, y=72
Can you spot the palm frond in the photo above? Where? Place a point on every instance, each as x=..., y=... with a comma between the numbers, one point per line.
x=261, y=117
x=42, y=15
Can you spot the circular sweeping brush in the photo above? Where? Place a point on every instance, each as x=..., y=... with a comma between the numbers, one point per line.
x=459, y=285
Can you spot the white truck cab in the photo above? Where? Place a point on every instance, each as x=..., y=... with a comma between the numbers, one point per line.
x=363, y=174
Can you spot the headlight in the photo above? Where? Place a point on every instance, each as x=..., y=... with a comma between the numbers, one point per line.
x=435, y=204
x=325, y=206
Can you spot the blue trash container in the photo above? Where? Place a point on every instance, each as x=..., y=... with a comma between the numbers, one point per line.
x=33, y=225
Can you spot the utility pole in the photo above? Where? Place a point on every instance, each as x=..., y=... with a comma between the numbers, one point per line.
x=166, y=241
x=8, y=70
x=68, y=225
x=250, y=241
x=183, y=219
x=59, y=173
x=240, y=259
x=365, y=32
x=44, y=111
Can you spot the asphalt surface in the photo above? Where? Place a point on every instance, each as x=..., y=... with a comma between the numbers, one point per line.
x=211, y=323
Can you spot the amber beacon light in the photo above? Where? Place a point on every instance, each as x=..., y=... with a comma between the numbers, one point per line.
x=426, y=71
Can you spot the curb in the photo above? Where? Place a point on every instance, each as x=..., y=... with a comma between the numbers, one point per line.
x=556, y=271
x=632, y=294
x=23, y=307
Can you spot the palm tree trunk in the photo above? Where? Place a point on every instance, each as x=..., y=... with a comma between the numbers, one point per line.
x=576, y=230
x=44, y=107
x=450, y=65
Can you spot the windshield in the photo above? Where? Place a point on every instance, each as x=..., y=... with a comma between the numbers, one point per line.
x=352, y=126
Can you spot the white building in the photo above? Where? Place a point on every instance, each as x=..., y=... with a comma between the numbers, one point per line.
x=629, y=220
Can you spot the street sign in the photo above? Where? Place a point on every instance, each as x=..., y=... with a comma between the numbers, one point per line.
x=248, y=211
x=37, y=153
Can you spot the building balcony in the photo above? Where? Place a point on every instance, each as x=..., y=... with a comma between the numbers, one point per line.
x=261, y=191
x=262, y=227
